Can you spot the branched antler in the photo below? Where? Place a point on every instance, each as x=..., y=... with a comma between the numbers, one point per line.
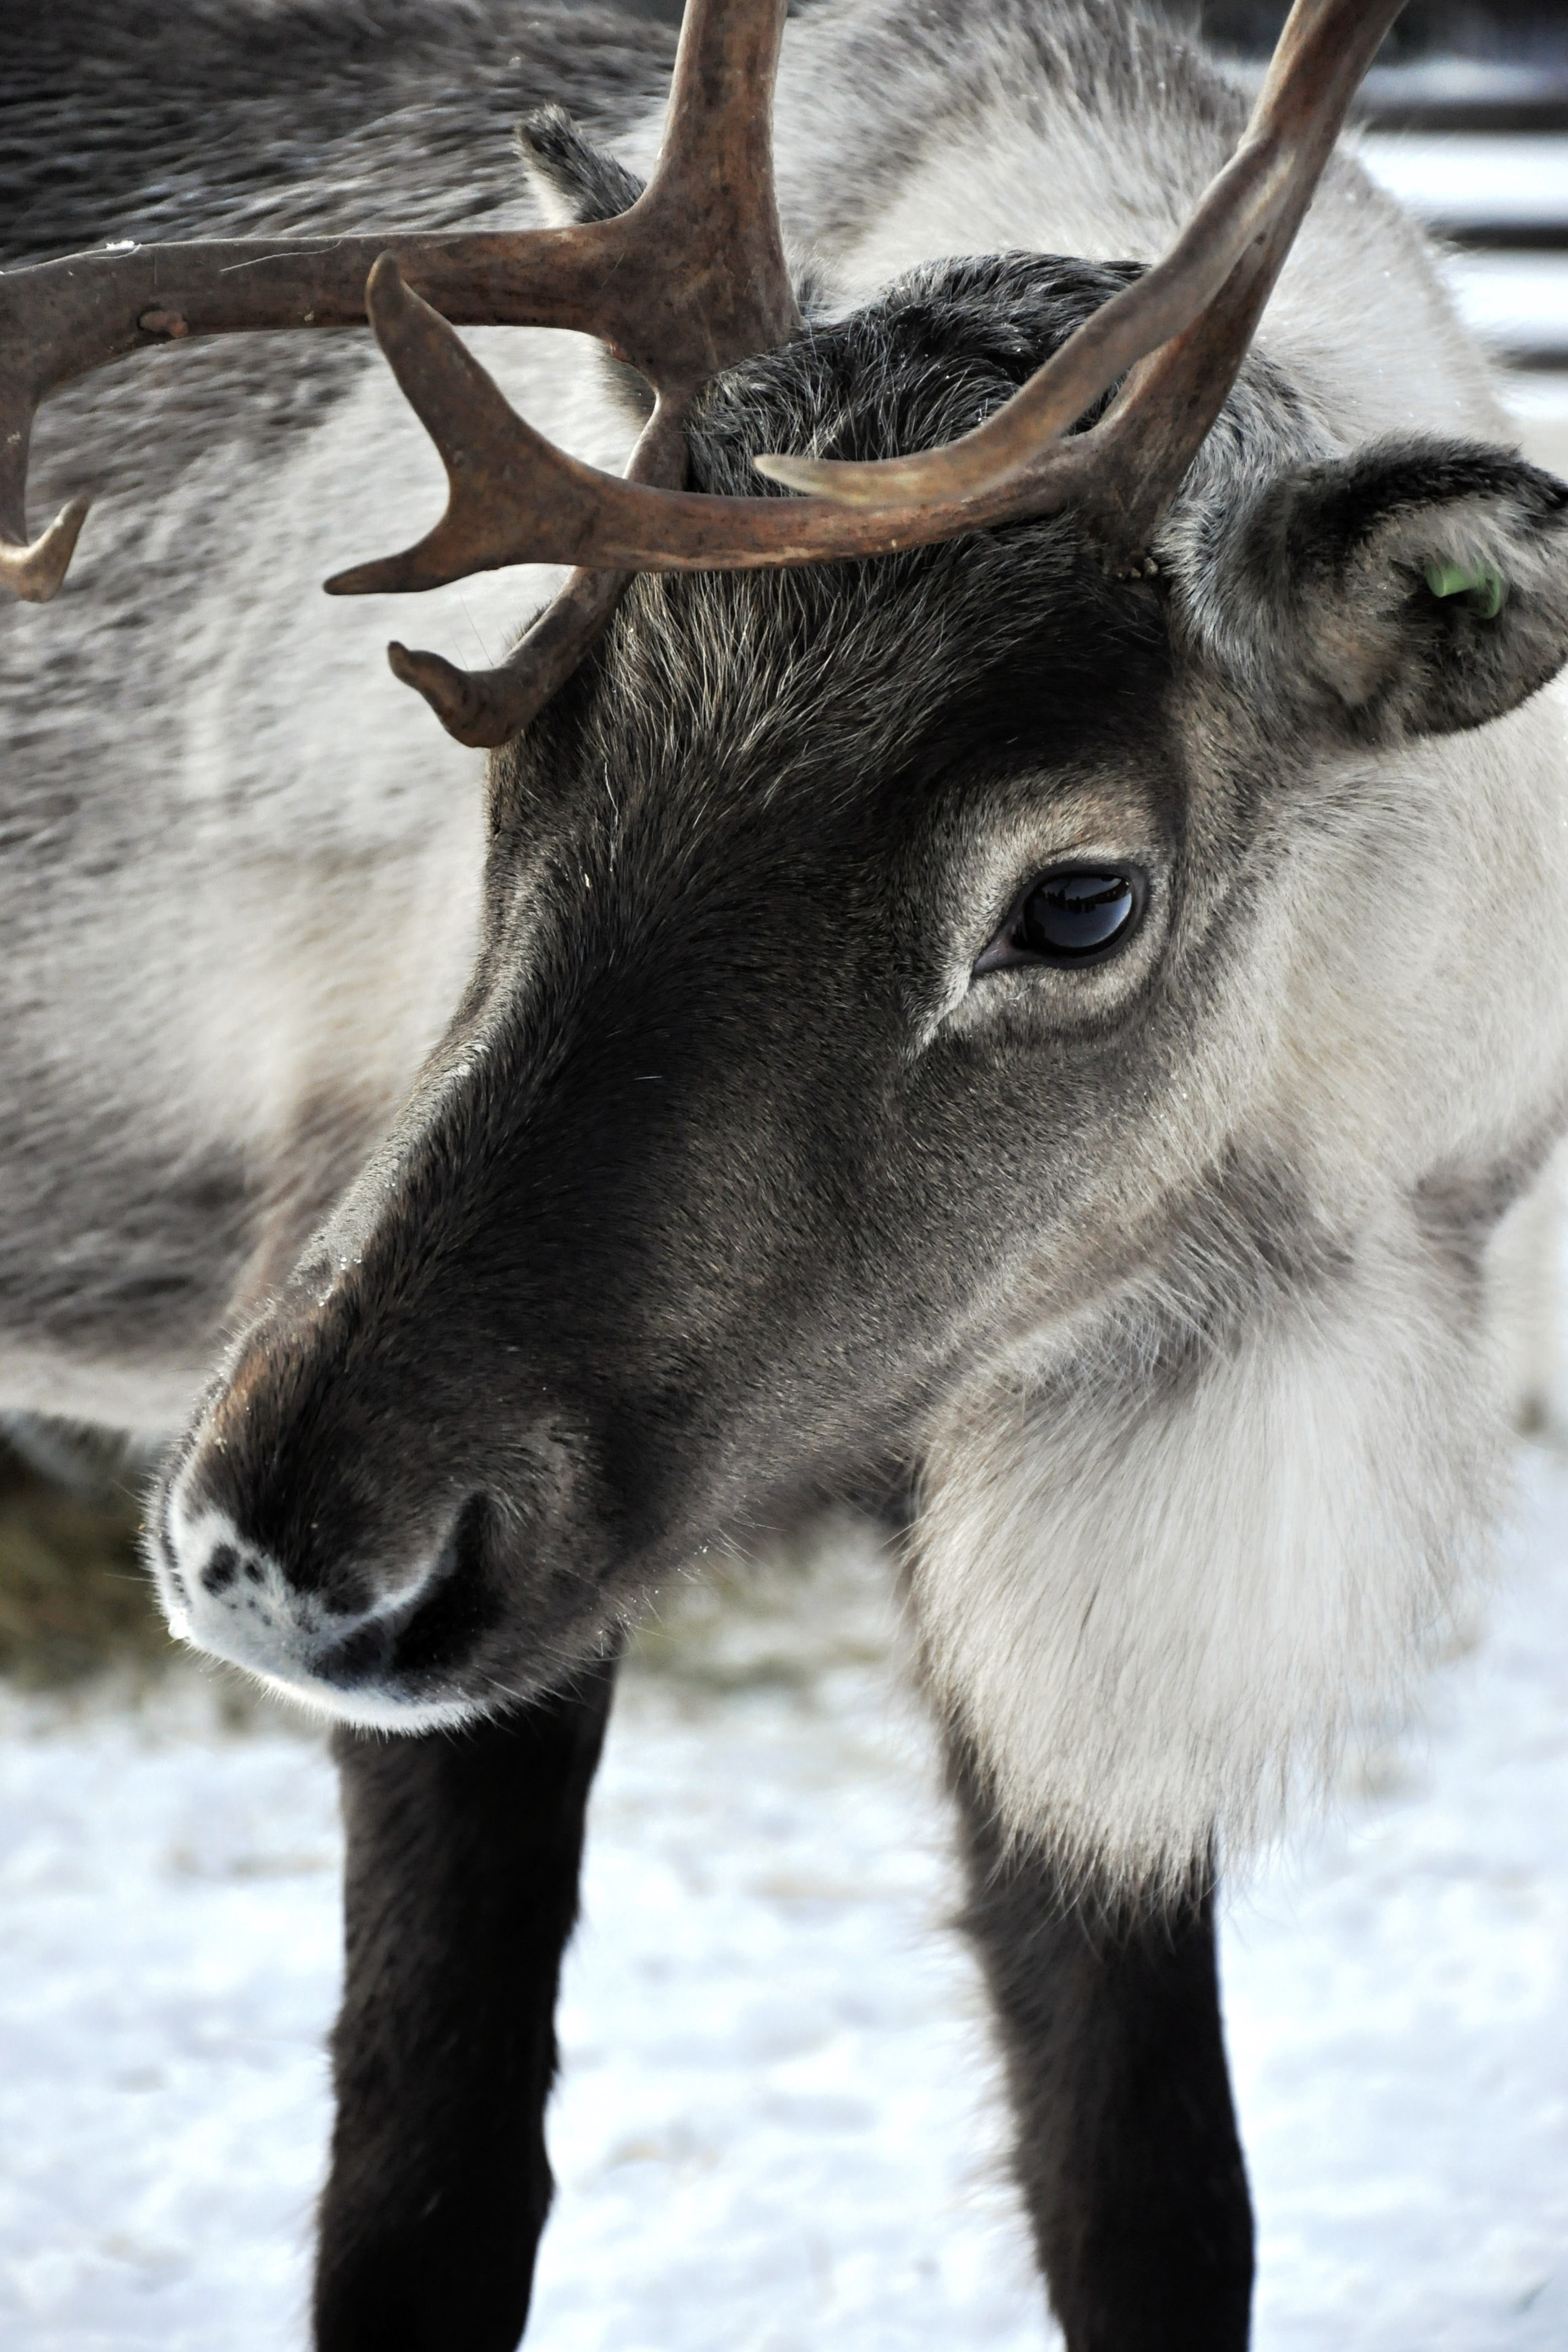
x=1195, y=312
x=485, y=708
x=690, y=280
x=1197, y=309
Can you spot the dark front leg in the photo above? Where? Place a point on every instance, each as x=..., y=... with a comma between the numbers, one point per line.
x=461, y=1891
x=1127, y=2150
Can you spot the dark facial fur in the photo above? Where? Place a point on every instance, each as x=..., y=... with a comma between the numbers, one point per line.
x=662, y=1182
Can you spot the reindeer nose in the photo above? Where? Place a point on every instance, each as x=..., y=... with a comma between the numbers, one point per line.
x=334, y=1639
x=238, y=1601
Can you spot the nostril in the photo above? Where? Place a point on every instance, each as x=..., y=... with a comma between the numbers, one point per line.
x=220, y=1569
x=363, y=1656
x=459, y=1603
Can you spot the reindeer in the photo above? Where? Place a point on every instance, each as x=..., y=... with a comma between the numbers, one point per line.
x=1009, y=966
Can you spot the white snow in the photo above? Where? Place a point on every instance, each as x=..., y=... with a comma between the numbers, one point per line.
x=1398, y=2001
x=779, y=2124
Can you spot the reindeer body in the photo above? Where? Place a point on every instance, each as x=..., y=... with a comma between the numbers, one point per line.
x=1153, y=1299
x=175, y=1136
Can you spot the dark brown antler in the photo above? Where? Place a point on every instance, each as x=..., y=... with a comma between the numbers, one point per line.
x=725, y=294
x=1194, y=312
x=1182, y=329
x=486, y=707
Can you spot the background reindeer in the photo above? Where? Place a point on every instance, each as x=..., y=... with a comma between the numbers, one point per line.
x=940, y=1031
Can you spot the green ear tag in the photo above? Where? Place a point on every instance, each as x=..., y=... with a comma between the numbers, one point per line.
x=1486, y=590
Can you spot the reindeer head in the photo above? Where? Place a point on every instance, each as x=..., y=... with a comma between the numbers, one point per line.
x=885, y=1057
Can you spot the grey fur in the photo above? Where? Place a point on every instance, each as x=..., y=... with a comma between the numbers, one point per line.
x=234, y=120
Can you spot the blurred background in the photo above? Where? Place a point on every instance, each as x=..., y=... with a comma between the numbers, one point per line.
x=1465, y=116
x=778, y=2125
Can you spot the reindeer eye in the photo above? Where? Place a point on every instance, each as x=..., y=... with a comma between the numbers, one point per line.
x=1073, y=915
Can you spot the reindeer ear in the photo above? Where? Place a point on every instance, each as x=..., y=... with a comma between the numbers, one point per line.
x=574, y=180
x=1414, y=589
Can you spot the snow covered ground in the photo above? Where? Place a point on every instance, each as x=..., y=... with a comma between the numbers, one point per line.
x=777, y=2126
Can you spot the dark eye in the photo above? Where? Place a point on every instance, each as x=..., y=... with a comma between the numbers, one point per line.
x=1072, y=916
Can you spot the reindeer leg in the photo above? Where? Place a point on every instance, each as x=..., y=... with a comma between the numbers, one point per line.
x=461, y=1892
x=1127, y=2150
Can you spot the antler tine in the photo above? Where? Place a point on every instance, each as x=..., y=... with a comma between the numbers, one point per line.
x=1154, y=428
x=33, y=570
x=517, y=498
x=1243, y=227
x=712, y=196
x=486, y=707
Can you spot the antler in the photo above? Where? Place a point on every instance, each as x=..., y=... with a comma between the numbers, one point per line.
x=1197, y=309
x=485, y=708
x=515, y=497
x=1182, y=329
x=728, y=294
